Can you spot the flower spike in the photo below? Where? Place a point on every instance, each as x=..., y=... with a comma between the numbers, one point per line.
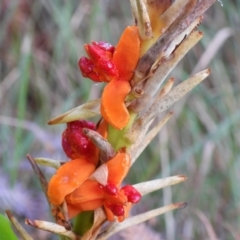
x=89, y=186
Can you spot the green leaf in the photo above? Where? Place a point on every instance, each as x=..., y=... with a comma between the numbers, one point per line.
x=83, y=222
x=6, y=231
x=117, y=138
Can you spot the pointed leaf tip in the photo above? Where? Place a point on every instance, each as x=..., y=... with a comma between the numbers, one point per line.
x=84, y=111
x=52, y=227
x=48, y=162
x=154, y=185
x=183, y=177
x=23, y=233
x=181, y=205
x=116, y=227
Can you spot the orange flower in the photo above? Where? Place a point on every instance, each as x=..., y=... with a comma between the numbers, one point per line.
x=105, y=63
x=85, y=190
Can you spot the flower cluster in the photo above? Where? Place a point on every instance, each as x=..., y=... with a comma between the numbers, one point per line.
x=85, y=185
x=89, y=181
x=115, y=66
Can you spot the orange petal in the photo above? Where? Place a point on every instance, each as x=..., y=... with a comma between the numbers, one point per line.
x=75, y=209
x=87, y=197
x=126, y=54
x=118, y=168
x=91, y=205
x=110, y=216
x=113, y=108
x=102, y=128
x=118, y=199
x=67, y=178
x=88, y=191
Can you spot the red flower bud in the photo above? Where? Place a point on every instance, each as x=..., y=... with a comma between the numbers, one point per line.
x=105, y=46
x=87, y=68
x=75, y=144
x=67, y=146
x=81, y=124
x=99, y=67
x=97, y=51
x=117, y=210
x=132, y=194
x=107, y=68
x=111, y=189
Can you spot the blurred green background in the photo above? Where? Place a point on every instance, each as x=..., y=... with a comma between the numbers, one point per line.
x=40, y=44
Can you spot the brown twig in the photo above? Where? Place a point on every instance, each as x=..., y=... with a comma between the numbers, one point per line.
x=52, y=227
x=152, y=85
x=40, y=176
x=106, y=150
x=18, y=226
x=190, y=13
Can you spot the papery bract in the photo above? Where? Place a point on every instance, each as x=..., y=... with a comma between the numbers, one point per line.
x=155, y=10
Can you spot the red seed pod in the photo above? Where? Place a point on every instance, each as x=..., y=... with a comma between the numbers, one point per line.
x=111, y=189
x=132, y=194
x=75, y=144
